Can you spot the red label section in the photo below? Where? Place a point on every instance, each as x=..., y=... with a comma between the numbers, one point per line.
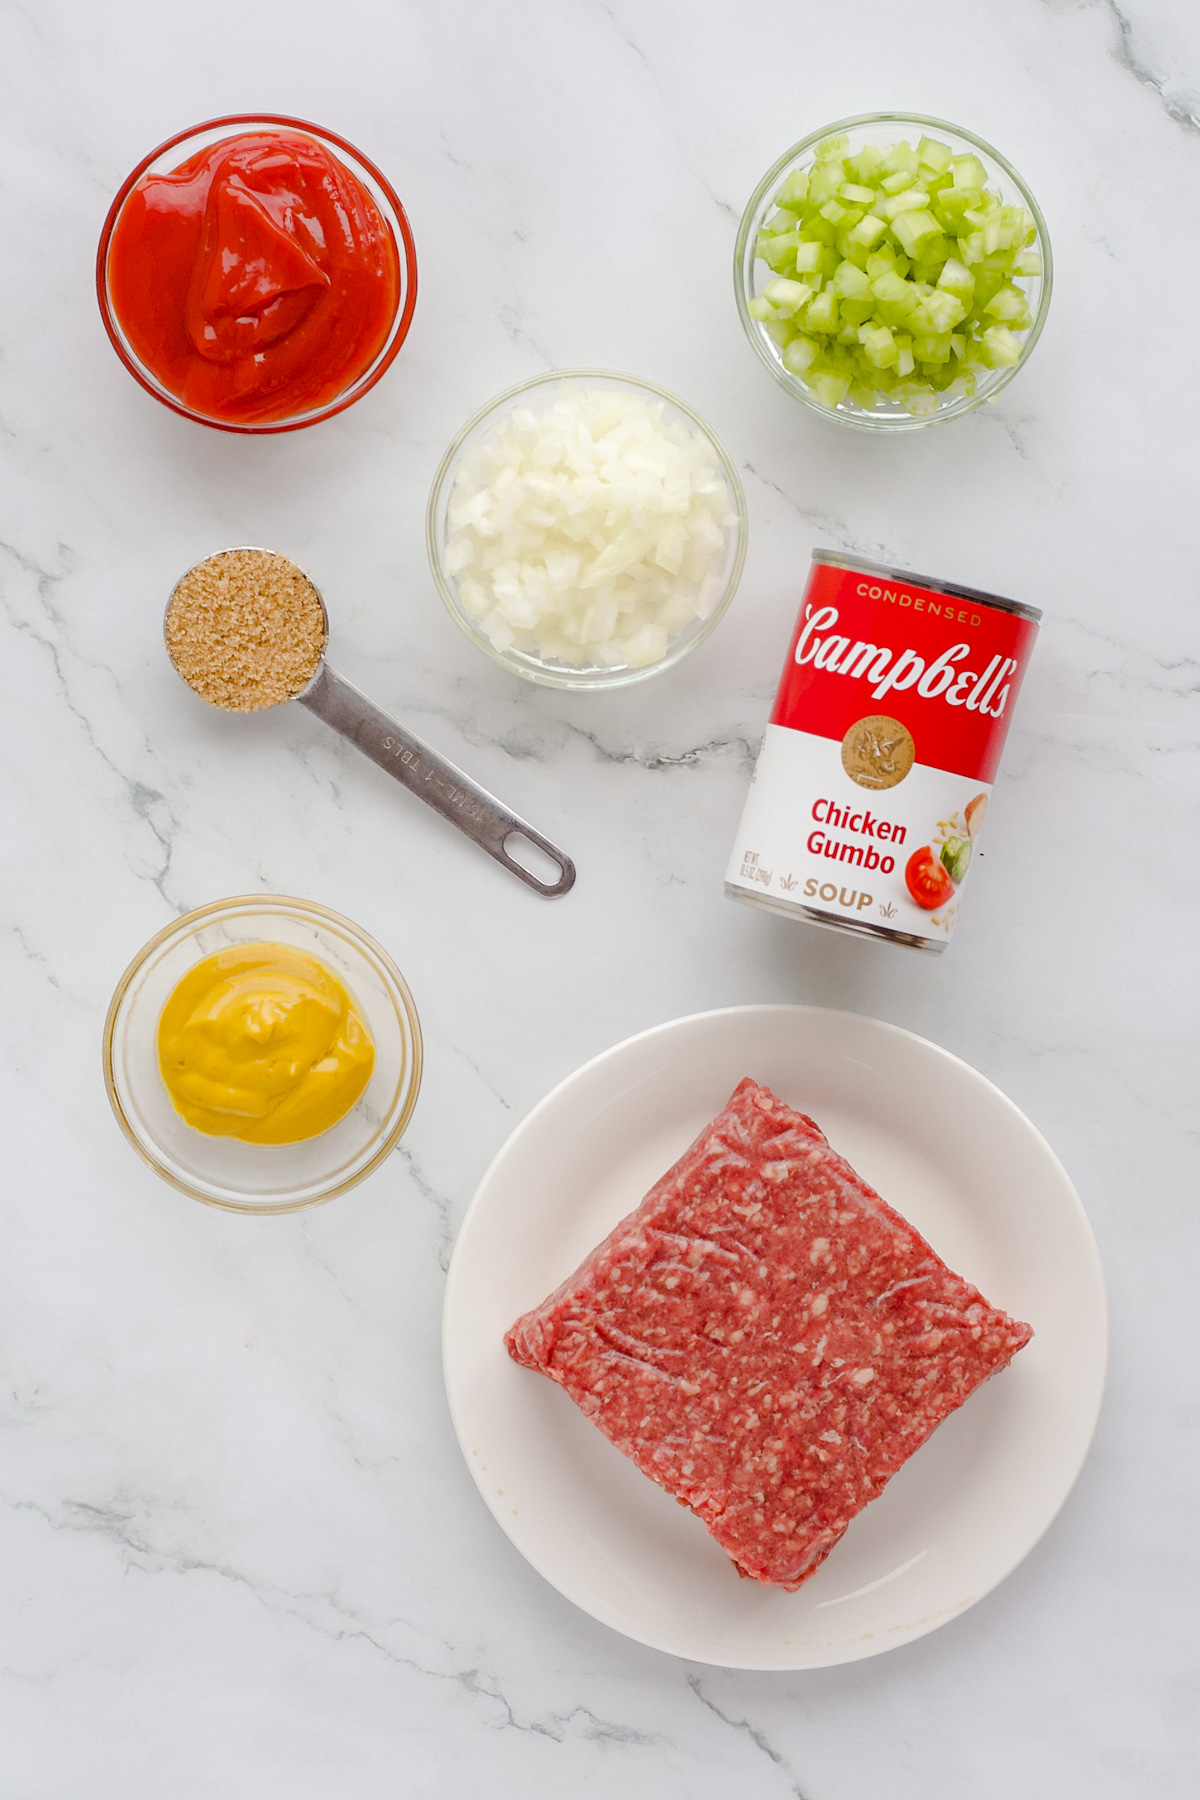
x=947, y=668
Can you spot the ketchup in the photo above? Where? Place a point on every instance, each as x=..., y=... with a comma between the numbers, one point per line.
x=256, y=281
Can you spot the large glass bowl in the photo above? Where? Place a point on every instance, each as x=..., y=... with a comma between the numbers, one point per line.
x=176, y=150
x=750, y=275
x=542, y=390
x=262, y=1178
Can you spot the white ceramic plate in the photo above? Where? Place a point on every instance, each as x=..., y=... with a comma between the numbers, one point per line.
x=956, y=1158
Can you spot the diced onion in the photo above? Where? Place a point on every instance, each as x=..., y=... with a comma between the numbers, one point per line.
x=590, y=533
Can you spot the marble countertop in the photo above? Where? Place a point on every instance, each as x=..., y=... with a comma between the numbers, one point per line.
x=240, y=1554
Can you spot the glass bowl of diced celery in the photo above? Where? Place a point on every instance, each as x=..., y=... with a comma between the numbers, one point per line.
x=892, y=271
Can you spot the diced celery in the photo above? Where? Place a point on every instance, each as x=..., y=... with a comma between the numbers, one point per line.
x=921, y=399
x=819, y=230
x=800, y=355
x=956, y=279
x=787, y=297
x=879, y=345
x=912, y=229
x=831, y=390
x=935, y=252
x=988, y=283
x=849, y=282
x=779, y=253
x=794, y=191
x=1006, y=304
x=934, y=154
x=869, y=229
x=899, y=158
x=911, y=199
x=945, y=310
x=849, y=250
x=822, y=312
x=825, y=181
x=891, y=290
x=896, y=273
x=1002, y=346
x=969, y=172
x=864, y=164
x=952, y=206
x=997, y=235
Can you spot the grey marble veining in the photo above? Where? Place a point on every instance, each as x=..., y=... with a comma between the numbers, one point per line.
x=239, y=1552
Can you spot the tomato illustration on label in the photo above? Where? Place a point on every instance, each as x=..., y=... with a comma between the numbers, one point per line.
x=927, y=881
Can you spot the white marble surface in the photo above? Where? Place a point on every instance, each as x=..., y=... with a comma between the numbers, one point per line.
x=239, y=1552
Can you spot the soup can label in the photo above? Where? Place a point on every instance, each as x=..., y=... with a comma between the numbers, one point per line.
x=877, y=765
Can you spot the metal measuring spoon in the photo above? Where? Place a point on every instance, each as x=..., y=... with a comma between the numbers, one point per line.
x=392, y=746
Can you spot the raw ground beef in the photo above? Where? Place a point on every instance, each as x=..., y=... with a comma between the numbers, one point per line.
x=766, y=1338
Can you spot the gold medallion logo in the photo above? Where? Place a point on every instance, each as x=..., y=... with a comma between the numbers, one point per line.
x=878, y=752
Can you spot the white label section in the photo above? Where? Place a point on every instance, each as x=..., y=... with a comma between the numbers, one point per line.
x=811, y=837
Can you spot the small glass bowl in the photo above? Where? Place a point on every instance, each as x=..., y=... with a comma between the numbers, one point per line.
x=750, y=274
x=176, y=150
x=262, y=1178
x=533, y=668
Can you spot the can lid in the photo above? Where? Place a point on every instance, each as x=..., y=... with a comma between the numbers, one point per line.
x=840, y=559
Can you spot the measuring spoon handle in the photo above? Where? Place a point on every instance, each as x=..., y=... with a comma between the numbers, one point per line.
x=434, y=780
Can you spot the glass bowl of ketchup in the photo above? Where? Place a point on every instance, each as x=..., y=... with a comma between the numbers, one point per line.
x=256, y=273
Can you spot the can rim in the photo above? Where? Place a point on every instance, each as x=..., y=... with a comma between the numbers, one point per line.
x=842, y=559
x=814, y=915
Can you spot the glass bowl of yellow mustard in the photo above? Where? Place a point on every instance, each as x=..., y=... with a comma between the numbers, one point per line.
x=262, y=1054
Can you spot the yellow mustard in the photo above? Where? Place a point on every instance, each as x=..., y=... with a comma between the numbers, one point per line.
x=262, y=1042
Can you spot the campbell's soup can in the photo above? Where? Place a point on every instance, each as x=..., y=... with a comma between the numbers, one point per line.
x=875, y=771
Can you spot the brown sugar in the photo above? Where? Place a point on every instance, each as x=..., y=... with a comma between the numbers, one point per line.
x=246, y=629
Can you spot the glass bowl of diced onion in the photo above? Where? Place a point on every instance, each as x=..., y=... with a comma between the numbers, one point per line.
x=892, y=271
x=586, y=529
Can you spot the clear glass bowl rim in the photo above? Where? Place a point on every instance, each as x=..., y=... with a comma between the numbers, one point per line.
x=324, y=915
x=590, y=678
x=405, y=247
x=902, y=421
